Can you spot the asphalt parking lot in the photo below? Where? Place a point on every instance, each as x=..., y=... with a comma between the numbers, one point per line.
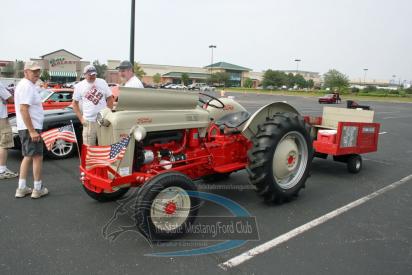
x=65, y=232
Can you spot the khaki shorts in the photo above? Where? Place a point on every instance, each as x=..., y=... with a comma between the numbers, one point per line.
x=90, y=133
x=6, y=135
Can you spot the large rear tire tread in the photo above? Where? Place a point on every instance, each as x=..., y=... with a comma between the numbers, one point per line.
x=261, y=154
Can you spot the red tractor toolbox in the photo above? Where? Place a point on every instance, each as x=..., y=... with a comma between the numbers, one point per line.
x=345, y=134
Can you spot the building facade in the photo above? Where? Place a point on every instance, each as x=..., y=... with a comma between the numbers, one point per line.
x=62, y=66
x=173, y=74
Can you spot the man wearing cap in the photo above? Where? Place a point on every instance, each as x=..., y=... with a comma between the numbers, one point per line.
x=94, y=95
x=126, y=72
x=6, y=136
x=29, y=118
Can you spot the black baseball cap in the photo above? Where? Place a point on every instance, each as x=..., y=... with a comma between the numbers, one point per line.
x=125, y=65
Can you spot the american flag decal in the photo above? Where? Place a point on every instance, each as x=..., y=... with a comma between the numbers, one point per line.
x=105, y=155
x=65, y=133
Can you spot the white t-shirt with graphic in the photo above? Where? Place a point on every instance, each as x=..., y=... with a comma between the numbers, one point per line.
x=92, y=97
x=4, y=95
x=134, y=82
x=28, y=93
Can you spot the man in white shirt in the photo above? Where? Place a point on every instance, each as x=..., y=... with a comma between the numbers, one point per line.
x=29, y=118
x=126, y=72
x=94, y=95
x=6, y=136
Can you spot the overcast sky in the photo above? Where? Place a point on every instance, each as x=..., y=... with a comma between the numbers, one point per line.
x=348, y=35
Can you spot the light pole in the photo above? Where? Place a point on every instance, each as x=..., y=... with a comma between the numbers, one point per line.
x=132, y=25
x=394, y=79
x=211, y=64
x=364, y=76
x=297, y=65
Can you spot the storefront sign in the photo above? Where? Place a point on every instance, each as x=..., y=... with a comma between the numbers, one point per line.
x=60, y=61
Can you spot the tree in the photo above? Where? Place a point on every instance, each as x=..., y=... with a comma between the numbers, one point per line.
x=185, y=78
x=310, y=84
x=248, y=83
x=290, y=80
x=300, y=81
x=157, y=78
x=220, y=79
x=335, y=79
x=138, y=71
x=8, y=70
x=274, y=79
x=100, y=68
x=45, y=76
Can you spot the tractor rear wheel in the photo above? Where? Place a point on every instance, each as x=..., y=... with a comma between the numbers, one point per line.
x=166, y=206
x=280, y=159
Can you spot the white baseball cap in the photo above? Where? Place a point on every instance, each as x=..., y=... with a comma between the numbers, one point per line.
x=90, y=69
x=31, y=65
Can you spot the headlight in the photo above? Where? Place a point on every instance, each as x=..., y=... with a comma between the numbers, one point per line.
x=139, y=133
x=101, y=121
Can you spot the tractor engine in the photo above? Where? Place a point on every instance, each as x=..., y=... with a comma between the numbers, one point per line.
x=198, y=156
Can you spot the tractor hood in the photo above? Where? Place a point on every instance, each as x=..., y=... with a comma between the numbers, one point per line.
x=153, y=99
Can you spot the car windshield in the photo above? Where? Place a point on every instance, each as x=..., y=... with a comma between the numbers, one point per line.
x=329, y=95
x=44, y=94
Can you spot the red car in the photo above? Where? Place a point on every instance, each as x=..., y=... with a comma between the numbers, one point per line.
x=52, y=99
x=330, y=98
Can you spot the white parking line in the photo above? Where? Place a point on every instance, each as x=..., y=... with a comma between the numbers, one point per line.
x=307, y=226
x=395, y=117
x=382, y=133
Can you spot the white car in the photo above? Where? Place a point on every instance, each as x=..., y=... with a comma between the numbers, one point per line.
x=170, y=86
x=179, y=87
x=207, y=89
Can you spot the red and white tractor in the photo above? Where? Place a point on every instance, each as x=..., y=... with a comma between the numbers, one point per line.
x=180, y=137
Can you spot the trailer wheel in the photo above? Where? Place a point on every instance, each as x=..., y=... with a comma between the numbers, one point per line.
x=164, y=207
x=280, y=159
x=354, y=164
x=106, y=197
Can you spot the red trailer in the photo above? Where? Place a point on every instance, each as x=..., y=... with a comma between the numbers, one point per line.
x=345, y=134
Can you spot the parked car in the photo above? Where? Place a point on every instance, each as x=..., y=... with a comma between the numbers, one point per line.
x=350, y=104
x=165, y=84
x=70, y=84
x=54, y=119
x=52, y=99
x=330, y=98
x=196, y=86
x=169, y=86
x=179, y=87
x=207, y=88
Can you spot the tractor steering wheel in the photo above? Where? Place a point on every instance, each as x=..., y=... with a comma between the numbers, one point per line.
x=207, y=103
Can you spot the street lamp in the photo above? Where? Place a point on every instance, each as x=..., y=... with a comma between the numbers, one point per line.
x=211, y=64
x=364, y=76
x=297, y=65
x=132, y=25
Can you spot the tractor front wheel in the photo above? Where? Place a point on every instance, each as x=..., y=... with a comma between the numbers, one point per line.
x=106, y=197
x=280, y=159
x=166, y=206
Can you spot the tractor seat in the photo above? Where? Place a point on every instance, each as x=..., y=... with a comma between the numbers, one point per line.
x=233, y=120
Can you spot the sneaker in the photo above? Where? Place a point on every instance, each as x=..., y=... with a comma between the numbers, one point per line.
x=8, y=174
x=39, y=193
x=22, y=192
